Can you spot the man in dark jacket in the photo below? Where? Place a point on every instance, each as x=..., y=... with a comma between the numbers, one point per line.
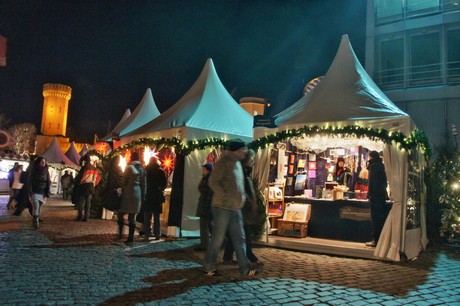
x=377, y=195
x=154, y=199
x=66, y=181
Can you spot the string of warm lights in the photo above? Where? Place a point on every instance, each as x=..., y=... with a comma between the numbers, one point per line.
x=417, y=140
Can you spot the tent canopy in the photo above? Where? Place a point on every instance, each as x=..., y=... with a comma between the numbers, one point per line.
x=54, y=155
x=116, y=130
x=206, y=106
x=345, y=96
x=144, y=113
x=72, y=154
x=84, y=150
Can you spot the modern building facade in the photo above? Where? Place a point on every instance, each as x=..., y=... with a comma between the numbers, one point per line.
x=413, y=55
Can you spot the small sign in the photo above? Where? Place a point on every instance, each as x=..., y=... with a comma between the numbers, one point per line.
x=262, y=121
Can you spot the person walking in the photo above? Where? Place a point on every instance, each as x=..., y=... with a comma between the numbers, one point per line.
x=132, y=195
x=250, y=213
x=153, y=205
x=90, y=178
x=10, y=181
x=377, y=195
x=66, y=181
x=23, y=196
x=38, y=187
x=204, y=207
x=16, y=187
x=227, y=184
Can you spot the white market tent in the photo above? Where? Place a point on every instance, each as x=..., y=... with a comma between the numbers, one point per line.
x=206, y=110
x=58, y=162
x=116, y=130
x=347, y=96
x=72, y=154
x=145, y=112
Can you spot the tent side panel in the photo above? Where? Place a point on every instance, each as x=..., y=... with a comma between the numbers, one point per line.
x=190, y=226
x=177, y=193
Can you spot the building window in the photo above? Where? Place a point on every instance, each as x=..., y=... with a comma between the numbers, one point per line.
x=59, y=126
x=49, y=125
x=390, y=65
x=60, y=109
x=453, y=56
x=422, y=7
x=425, y=58
x=388, y=11
x=451, y=5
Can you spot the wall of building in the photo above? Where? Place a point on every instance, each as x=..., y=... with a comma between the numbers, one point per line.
x=413, y=55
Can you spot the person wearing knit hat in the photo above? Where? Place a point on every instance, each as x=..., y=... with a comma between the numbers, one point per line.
x=377, y=195
x=229, y=196
x=208, y=166
x=236, y=144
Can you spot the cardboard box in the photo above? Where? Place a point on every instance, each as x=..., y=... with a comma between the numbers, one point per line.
x=292, y=228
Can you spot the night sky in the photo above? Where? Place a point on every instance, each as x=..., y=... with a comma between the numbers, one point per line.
x=110, y=52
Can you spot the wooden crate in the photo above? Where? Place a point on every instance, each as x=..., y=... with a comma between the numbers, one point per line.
x=292, y=228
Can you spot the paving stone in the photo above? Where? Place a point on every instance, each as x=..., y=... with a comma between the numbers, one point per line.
x=68, y=263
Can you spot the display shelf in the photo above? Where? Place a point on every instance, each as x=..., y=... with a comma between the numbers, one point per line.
x=274, y=195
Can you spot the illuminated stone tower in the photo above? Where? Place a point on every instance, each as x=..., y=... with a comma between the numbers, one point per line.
x=55, y=108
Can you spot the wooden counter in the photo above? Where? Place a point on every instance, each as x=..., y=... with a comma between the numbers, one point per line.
x=348, y=220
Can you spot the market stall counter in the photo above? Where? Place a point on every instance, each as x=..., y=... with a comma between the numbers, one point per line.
x=348, y=219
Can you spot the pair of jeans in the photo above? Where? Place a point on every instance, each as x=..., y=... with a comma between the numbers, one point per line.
x=231, y=222
x=146, y=226
x=65, y=193
x=228, y=253
x=205, y=229
x=84, y=202
x=37, y=200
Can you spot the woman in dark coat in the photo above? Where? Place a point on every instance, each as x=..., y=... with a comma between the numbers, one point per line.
x=132, y=195
x=156, y=184
x=114, y=180
x=38, y=185
x=204, y=207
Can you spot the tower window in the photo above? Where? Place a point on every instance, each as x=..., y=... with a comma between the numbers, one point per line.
x=49, y=125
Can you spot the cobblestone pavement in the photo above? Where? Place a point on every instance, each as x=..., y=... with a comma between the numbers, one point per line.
x=68, y=262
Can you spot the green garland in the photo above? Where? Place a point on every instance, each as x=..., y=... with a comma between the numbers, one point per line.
x=417, y=139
